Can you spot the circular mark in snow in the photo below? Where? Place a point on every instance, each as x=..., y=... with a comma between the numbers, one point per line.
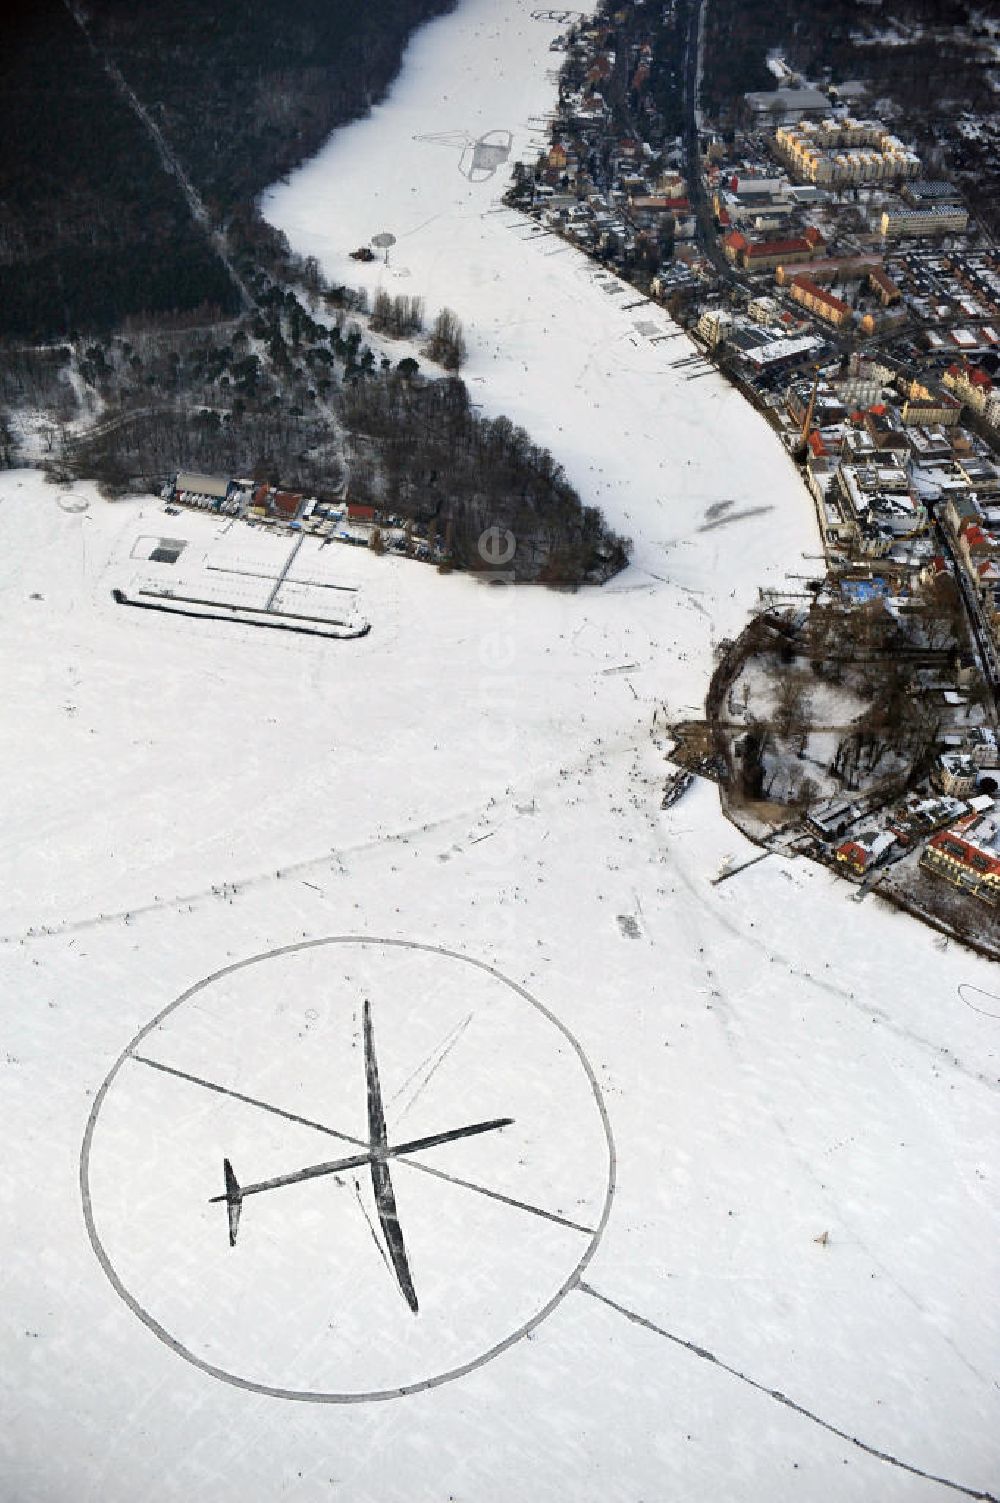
x=68, y=501
x=966, y=986
x=494, y=1227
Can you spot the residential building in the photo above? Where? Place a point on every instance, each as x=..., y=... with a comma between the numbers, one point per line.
x=845, y=153
x=884, y=287
x=972, y=385
x=993, y=410
x=981, y=746
x=968, y=855
x=875, y=495
x=949, y=219
x=833, y=817
x=954, y=773
x=919, y=817
x=975, y=543
x=865, y=851
x=655, y=204
x=714, y=325
x=834, y=269
x=980, y=475
x=930, y=410
x=831, y=309
x=960, y=508
x=765, y=310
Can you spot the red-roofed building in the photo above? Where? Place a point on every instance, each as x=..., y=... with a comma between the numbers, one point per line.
x=286, y=504
x=658, y=204
x=734, y=244
x=765, y=255
x=358, y=511
x=974, y=542
x=831, y=269
x=865, y=851
x=832, y=310
x=884, y=434
x=884, y=287
x=600, y=71
x=968, y=855
x=972, y=385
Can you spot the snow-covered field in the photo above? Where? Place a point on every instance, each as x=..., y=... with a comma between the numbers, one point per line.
x=477, y=778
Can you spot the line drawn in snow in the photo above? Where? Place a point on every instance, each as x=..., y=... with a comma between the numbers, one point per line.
x=479, y=156
x=71, y=502
x=375, y=1157
x=966, y=986
x=703, y=1353
x=486, y=1212
x=422, y=1075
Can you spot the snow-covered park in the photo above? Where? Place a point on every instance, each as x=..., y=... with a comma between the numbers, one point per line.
x=740, y=1236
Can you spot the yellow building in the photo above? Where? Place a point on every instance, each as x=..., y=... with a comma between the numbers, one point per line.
x=845, y=153
x=832, y=310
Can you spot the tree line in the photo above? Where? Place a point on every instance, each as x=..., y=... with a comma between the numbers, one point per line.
x=301, y=396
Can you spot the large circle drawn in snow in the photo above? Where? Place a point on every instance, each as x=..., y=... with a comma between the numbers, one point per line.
x=268, y=1063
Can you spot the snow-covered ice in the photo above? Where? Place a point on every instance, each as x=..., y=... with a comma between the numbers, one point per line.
x=477, y=774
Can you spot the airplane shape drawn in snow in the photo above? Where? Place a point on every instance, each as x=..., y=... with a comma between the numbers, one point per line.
x=376, y=1156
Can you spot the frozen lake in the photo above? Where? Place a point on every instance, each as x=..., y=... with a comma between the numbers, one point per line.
x=622, y=1296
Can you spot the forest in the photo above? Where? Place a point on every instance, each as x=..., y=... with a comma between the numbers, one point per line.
x=92, y=226
x=740, y=33
x=300, y=392
x=248, y=89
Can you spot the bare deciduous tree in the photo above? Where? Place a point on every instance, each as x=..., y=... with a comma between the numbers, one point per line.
x=447, y=341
